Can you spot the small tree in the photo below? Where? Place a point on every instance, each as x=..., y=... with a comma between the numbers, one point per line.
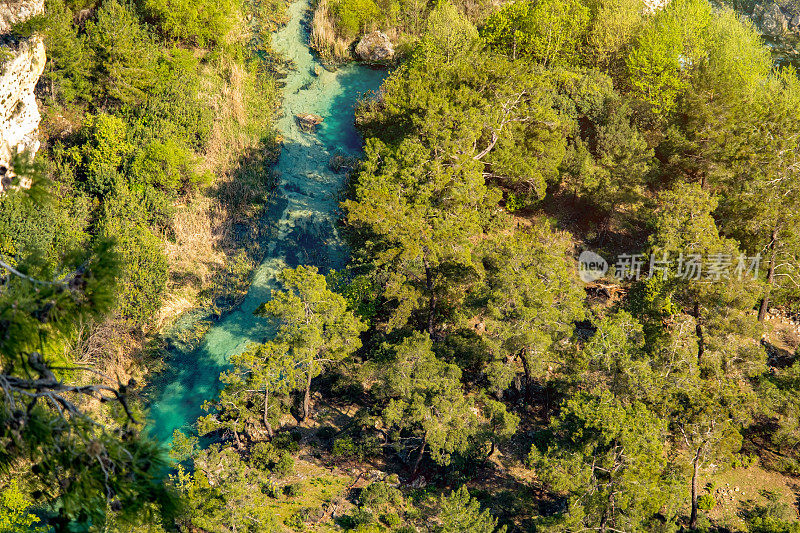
x=313, y=325
x=608, y=457
x=426, y=399
x=459, y=512
x=532, y=297
x=259, y=373
x=267, y=369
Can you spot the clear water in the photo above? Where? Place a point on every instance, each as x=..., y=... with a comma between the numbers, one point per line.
x=304, y=216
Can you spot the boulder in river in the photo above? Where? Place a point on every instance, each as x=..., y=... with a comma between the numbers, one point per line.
x=770, y=19
x=375, y=47
x=342, y=163
x=308, y=122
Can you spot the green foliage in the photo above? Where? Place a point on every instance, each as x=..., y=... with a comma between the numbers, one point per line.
x=360, y=291
x=774, y=517
x=449, y=32
x=706, y=502
x=15, y=512
x=201, y=22
x=614, y=25
x=293, y=490
x=89, y=467
x=605, y=452
x=222, y=494
x=103, y=149
x=266, y=456
x=459, y=512
x=667, y=50
x=183, y=446
x=353, y=15
x=124, y=54
x=532, y=297
x=349, y=448
x=168, y=166
x=426, y=399
x=144, y=267
x=548, y=31
x=314, y=327
x=608, y=159
x=68, y=69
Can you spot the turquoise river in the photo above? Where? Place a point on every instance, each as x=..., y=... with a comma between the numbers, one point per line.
x=304, y=217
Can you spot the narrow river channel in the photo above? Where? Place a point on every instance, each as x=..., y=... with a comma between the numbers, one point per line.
x=305, y=219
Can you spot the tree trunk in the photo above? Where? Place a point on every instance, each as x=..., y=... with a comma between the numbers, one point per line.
x=698, y=329
x=489, y=455
x=526, y=367
x=307, y=398
x=695, y=468
x=762, y=310
x=270, y=433
x=431, y=300
x=419, y=457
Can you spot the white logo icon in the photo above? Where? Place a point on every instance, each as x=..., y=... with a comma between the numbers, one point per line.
x=591, y=266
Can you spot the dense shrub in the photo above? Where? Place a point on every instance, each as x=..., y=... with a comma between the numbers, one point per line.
x=202, y=22
x=103, y=149
x=353, y=15
x=144, y=267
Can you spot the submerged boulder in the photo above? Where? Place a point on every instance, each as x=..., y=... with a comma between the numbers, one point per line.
x=375, y=47
x=308, y=122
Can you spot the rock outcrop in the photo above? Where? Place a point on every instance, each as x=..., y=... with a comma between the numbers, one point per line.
x=308, y=122
x=655, y=5
x=13, y=11
x=375, y=47
x=21, y=64
x=770, y=19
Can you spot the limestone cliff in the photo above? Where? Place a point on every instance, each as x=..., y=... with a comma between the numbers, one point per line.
x=21, y=64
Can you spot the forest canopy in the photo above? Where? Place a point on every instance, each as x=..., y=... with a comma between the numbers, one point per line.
x=571, y=300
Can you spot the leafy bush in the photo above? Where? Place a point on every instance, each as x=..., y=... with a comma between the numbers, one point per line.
x=168, y=166
x=102, y=152
x=706, y=502
x=287, y=441
x=144, y=267
x=378, y=495
x=774, y=517
x=174, y=106
x=391, y=519
x=124, y=54
x=266, y=456
x=352, y=16
x=202, y=22
x=293, y=490
x=549, y=31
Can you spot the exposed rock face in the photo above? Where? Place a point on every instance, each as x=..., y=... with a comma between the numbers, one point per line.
x=13, y=11
x=655, y=5
x=308, y=122
x=770, y=19
x=21, y=64
x=375, y=47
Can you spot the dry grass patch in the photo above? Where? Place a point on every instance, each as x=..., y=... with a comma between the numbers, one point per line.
x=324, y=38
x=738, y=488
